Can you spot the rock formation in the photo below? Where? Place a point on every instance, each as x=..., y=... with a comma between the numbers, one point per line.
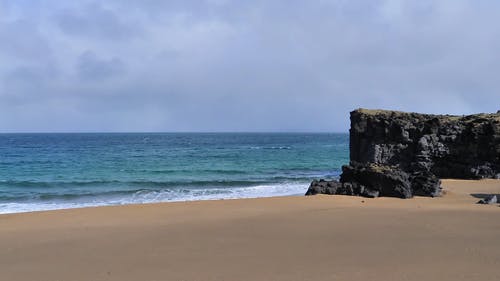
x=402, y=154
x=489, y=199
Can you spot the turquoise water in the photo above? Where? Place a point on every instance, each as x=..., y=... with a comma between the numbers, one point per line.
x=54, y=171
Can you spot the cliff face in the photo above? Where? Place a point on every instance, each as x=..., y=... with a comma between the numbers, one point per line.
x=403, y=154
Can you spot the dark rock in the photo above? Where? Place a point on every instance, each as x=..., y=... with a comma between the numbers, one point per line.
x=323, y=187
x=402, y=154
x=335, y=187
x=425, y=183
x=370, y=193
x=375, y=180
x=465, y=147
x=490, y=199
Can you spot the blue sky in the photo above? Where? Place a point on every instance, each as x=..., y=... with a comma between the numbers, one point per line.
x=219, y=65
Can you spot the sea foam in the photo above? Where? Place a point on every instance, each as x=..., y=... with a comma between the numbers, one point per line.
x=157, y=196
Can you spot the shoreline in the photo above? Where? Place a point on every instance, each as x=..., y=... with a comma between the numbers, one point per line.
x=241, y=198
x=288, y=238
x=153, y=202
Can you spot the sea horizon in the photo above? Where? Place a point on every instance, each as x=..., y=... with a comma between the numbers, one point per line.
x=177, y=132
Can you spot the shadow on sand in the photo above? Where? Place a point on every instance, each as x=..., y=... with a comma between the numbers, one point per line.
x=483, y=195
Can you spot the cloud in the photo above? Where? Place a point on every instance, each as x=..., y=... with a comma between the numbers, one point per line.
x=94, y=21
x=21, y=39
x=91, y=67
x=241, y=65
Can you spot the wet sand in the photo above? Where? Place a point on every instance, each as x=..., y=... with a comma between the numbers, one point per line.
x=282, y=238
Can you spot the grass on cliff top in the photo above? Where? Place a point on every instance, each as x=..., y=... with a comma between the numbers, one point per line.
x=494, y=116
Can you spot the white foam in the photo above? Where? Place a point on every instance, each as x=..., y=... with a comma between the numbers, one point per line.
x=271, y=190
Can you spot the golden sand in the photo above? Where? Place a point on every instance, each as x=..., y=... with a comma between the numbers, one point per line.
x=283, y=238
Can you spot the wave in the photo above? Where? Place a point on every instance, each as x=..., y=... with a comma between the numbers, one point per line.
x=67, y=201
x=303, y=174
x=132, y=183
x=214, y=171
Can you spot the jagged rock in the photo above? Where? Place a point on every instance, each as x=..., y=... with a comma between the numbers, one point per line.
x=490, y=199
x=335, y=187
x=353, y=188
x=448, y=146
x=404, y=154
x=386, y=180
x=425, y=183
x=323, y=187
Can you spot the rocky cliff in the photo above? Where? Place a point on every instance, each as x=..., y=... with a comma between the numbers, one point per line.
x=403, y=154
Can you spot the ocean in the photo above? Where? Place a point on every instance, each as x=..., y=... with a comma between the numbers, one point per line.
x=60, y=171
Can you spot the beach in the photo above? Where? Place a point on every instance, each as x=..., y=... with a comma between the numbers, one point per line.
x=280, y=238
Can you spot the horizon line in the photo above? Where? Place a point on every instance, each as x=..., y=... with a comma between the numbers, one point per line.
x=177, y=132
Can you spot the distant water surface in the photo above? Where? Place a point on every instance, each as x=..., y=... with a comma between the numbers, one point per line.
x=56, y=171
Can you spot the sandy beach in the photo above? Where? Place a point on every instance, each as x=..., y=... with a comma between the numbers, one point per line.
x=282, y=238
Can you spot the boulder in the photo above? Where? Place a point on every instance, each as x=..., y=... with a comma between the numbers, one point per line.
x=323, y=187
x=490, y=199
x=377, y=179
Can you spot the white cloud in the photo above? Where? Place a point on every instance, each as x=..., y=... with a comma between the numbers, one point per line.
x=241, y=65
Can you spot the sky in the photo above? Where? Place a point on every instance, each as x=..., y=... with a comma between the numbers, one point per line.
x=259, y=65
